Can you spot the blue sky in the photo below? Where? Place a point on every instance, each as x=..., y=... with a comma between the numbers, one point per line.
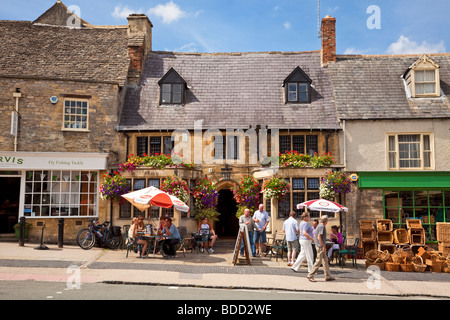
x=402, y=26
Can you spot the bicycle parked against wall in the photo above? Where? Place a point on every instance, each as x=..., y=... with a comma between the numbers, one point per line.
x=105, y=233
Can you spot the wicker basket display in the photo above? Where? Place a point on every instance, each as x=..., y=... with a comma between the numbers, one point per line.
x=407, y=267
x=401, y=236
x=418, y=264
x=413, y=223
x=405, y=253
x=380, y=265
x=368, y=235
x=444, y=248
x=443, y=231
x=416, y=236
x=385, y=237
x=391, y=266
x=366, y=225
x=385, y=225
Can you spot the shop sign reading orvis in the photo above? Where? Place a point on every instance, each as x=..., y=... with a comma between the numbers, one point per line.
x=52, y=161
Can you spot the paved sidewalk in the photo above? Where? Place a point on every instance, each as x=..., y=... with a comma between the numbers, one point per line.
x=206, y=270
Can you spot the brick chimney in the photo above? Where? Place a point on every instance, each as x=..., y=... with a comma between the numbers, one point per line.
x=328, y=34
x=139, y=44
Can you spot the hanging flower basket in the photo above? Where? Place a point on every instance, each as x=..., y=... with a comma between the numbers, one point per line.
x=334, y=183
x=113, y=187
x=177, y=187
x=206, y=199
x=247, y=194
x=276, y=188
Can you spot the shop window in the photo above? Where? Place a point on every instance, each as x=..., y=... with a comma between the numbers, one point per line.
x=430, y=206
x=61, y=193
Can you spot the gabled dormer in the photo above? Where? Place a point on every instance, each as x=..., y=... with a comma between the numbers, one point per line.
x=297, y=87
x=172, y=88
x=422, y=78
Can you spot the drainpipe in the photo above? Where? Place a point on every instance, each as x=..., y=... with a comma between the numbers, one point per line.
x=17, y=95
x=345, y=147
x=128, y=143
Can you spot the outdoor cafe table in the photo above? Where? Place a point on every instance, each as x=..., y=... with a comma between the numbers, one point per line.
x=149, y=238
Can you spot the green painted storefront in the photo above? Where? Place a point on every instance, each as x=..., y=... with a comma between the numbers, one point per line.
x=412, y=195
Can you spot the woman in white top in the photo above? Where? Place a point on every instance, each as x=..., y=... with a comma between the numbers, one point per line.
x=132, y=234
x=204, y=228
x=306, y=240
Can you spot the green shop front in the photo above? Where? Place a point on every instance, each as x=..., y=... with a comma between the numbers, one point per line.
x=412, y=195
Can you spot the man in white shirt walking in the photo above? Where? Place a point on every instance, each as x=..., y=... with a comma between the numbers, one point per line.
x=291, y=230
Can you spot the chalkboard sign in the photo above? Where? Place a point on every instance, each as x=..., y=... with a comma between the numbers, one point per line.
x=242, y=236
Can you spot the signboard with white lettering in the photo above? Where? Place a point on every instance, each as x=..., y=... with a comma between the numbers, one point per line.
x=52, y=160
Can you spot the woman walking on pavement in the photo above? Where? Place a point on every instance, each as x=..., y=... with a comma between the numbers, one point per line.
x=320, y=237
x=306, y=240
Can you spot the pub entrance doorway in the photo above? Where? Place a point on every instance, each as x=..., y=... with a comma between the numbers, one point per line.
x=228, y=224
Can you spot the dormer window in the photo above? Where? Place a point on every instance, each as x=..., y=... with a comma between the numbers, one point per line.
x=422, y=78
x=297, y=87
x=172, y=87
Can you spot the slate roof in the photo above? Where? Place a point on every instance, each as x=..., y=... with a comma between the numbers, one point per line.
x=97, y=54
x=230, y=90
x=371, y=87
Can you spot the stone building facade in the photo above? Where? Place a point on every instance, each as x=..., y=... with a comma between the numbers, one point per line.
x=61, y=88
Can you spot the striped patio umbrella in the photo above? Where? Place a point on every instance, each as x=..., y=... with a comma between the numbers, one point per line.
x=322, y=205
x=151, y=196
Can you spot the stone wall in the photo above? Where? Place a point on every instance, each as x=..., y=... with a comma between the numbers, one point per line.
x=41, y=121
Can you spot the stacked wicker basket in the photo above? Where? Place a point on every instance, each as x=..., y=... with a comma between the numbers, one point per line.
x=394, y=251
x=443, y=236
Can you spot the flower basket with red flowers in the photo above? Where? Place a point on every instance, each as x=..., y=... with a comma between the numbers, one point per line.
x=177, y=187
x=276, y=188
x=247, y=194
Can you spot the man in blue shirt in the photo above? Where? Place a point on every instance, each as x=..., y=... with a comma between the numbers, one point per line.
x=171, y=237
x=261, y=219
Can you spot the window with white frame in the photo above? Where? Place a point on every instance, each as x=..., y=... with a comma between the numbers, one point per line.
x=409, y=151
x=76, y=114
x=53, y=193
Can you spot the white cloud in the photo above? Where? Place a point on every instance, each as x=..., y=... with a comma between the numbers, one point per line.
x=406, y=46
x=188, y=47
x=168, y=12
x=122, y=12
x=287, y=25
x=355, y=51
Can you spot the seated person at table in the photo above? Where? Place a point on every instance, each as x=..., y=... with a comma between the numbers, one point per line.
x=170, y=238
x=204, y=228
x=336, y=238
x=132, y=234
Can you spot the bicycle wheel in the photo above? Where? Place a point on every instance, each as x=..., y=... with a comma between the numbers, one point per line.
x=85, y=239
x=112, y=241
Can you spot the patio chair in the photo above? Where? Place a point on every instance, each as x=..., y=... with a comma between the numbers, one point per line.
x=125, y=235
x=349, y=251
x=280, y=244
